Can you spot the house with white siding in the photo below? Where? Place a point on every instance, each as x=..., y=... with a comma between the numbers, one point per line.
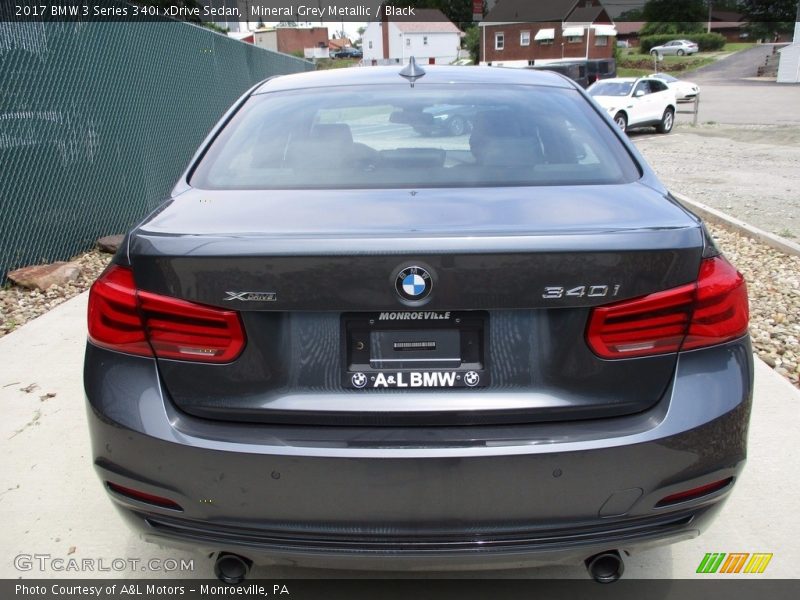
x=430, y=38
x=789, y=65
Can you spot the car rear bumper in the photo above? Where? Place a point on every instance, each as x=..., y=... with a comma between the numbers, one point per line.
x=424, y=498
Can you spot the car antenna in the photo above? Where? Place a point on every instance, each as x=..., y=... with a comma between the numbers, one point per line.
x=412, y=71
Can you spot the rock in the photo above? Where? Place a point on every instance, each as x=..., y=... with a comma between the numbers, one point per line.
x=110, y=243
x=41, y=277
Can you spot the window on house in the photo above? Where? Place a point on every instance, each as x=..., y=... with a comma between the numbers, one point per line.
x=574, y=39
x=425, y=40
x=601, y=40
x=499, y=41
x=524, y=38
x=370, y=45
x=408, y=41
x=546, y=42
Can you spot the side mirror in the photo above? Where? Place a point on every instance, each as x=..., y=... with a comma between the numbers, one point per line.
x=638, y=93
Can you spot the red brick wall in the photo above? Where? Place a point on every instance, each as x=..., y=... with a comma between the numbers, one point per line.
x=294, y=39
x=560, y=48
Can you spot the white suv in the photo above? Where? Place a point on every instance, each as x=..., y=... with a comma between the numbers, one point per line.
x=632, y=102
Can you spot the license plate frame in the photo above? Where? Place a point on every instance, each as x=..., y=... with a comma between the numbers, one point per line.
x=414, y=350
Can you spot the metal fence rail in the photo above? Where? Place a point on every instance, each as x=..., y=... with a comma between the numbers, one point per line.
x=97, y=121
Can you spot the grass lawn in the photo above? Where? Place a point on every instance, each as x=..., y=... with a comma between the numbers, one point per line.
x=627, y=72
x=737, y=46
x=632, y=64
x=336, y=63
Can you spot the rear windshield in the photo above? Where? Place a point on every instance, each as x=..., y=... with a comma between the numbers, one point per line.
x=426, y=136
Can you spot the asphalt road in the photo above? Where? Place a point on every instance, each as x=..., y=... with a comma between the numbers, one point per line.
x=730, y=94
x=51, y=502
x=734, y=68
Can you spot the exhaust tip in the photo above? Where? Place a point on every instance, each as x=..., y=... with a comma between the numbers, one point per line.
x=231, y=568
x=605, y=567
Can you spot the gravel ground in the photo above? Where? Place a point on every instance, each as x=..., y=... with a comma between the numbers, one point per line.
x=773, y=285
x=19, y=305
x=748, y=171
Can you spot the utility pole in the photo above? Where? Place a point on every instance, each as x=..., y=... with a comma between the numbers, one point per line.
x=710, y=6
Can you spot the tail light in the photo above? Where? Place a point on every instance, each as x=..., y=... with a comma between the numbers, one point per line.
x=710, y=311
x=128, y=320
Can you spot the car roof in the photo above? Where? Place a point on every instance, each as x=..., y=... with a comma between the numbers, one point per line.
x=433, y=75
x=619, y=80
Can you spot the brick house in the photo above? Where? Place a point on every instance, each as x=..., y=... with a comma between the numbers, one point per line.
x=336, y=44
x=520, y=33
x=293, y=40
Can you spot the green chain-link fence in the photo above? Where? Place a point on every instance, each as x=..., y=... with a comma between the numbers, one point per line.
x=98, y=120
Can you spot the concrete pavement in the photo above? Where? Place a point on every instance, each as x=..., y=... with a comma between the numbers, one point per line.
x=51, y=503
x=730, y=93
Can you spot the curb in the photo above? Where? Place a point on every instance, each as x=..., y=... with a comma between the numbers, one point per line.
x=718, y=217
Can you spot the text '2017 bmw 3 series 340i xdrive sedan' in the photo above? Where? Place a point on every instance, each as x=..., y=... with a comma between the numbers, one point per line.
x=351, y=338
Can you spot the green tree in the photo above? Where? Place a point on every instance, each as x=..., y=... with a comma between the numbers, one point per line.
x=675, y=10
x=472, y=42
x=672, y=27
x=767, y=17
x=458, y=11
x=674, y=16
x=633, y=14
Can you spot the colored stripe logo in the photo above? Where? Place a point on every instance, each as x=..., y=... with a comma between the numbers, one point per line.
x=734, y=562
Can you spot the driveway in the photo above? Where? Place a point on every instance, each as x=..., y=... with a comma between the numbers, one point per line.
x=730, y=94
x=52, y=503
x=736, y=67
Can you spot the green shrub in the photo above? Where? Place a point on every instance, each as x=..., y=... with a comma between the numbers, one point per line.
x=706, y=41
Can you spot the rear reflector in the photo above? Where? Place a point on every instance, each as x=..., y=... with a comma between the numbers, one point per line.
x=125, y=319
x=143, y=496
x=694, y=493
x=711, y=311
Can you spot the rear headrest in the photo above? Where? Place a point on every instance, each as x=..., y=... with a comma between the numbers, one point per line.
x=495, y=123
x=508, y=152
x=333, y=133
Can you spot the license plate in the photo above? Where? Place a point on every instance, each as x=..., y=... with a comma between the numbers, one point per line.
x=414, y=350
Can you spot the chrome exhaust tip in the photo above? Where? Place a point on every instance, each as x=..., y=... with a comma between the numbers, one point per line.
x=605, y=567
x=231, y=568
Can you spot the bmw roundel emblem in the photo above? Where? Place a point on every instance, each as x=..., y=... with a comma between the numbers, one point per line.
x=413, y=283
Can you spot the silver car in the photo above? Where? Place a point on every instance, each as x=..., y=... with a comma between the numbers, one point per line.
x=675, y=48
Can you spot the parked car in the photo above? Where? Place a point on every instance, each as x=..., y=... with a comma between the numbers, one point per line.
x=632, y=102
x=335, y=345
x=577, y=71
x=600, y=68
x=684, y=90
x=348, y=53
x=445, y=120
x=584, y=72
x=675, y=48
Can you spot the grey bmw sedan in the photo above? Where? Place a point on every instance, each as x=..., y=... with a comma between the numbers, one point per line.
x=351, y=338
